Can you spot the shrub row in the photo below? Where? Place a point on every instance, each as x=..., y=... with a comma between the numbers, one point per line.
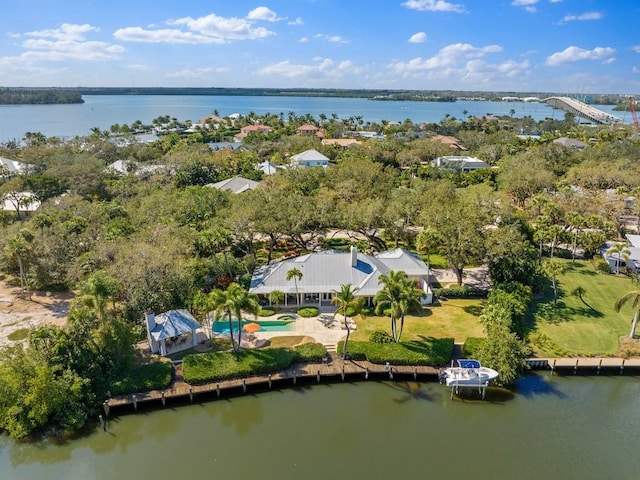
x=431, y=351
x=143, y=378
x=215, y=366
x=464, y=291
x=266, y=311
x=308, y=312
x=471, y=346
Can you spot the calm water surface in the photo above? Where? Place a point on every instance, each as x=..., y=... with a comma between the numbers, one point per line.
x=553, y=428
x=105, y=110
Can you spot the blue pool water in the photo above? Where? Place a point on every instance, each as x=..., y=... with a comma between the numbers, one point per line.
x=265, y=326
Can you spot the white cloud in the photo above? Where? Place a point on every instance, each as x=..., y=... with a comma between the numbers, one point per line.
x=462, y=64
x=304, y=40
x=263, y=13
x=636, y=48
x=68, y=42
x=582, y=17
x=419, y=37
x=138, y=67
x=323, y=70
x=575, y=54
x=528, y=5
x=297, y=21
x=434, y=6
x=635, y=70
x=195, y=72
x=331, y=38
x=209, y=29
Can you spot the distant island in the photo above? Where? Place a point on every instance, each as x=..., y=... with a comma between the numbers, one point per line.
x=53, y=95
x=38, y=96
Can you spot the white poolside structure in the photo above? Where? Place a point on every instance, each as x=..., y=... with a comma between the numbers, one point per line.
x=171, y=331
x=323, y=273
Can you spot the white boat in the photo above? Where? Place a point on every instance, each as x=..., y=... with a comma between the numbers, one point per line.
x=468, y=373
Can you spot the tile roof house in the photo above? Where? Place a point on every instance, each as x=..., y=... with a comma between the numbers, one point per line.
x=249, y=129
x=452, y=142
x=570, y=143
x=323, y=273
x=309, y=158
x=307, y=129
x=341, y=142
x=236, y=184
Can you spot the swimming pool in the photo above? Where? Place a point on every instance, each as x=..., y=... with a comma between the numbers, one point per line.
x=265, y=326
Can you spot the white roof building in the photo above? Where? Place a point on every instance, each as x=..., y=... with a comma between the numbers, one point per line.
x=235, y=184
x=14, y=167
x=267, y=167
x=323, y=273
x=459, y=163
x=309, y=158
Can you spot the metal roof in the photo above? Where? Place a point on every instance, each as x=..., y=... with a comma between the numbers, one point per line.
x=173, y=323
x=327, y=271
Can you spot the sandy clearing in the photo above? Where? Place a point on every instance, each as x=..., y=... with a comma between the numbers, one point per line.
x=44, y=308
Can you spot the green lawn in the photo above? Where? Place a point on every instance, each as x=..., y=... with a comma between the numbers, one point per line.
x=585, y=328
x=457, y=319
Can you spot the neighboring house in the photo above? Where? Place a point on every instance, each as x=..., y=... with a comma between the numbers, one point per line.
x=124, y=167
x=341, y=142
x=267, y=167
x=631, y=261
x=171, y=331
x=250, y=129
x=13, y=167
x=449, y=141
x=307, y=129
x=309, y=158
x=459, y=163
x=236, y=184
x=224, y=146
x=570, y=143
x=324, y=273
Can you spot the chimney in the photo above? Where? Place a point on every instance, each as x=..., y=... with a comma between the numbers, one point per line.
x=150, y=321
x=354, y=256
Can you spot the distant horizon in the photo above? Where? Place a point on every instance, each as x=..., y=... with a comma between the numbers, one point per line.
x=317, y=89
x=461, y=45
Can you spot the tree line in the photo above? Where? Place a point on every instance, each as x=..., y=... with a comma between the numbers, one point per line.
x=39, y=96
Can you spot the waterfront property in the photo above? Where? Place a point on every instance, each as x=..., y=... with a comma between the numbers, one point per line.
x=323, y=273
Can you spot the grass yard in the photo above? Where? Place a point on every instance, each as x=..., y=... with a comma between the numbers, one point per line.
x=456, y=318
x=588, y=327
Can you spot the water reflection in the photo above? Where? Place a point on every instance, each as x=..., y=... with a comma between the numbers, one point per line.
x=536, y=384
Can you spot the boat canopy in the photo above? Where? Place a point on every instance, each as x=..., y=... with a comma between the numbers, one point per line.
x=469, y=363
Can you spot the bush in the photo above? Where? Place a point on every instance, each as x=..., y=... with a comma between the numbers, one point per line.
x=471, y=346
x=430, y=351
x=380, y=336
x=602, y=265
x=214, y=366
x=310, y=352
x=308, y=312
x=464, y=291
x=266, y=311
x=143, y=378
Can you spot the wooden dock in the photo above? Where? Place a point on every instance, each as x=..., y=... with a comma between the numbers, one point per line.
x=337, y=370
x=333, y=371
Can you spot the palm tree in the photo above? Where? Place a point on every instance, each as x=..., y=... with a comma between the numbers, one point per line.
x=99, y=287
x=231, y=303
x=276, y=297
x=634, y=298
x=19, y=247
x=399, y=295
x=554, y=268
x=576, y=222
x=621, y=252
x=296, y=274
x=346, y=301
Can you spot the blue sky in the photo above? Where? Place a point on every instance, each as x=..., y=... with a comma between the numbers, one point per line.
x=562, y=46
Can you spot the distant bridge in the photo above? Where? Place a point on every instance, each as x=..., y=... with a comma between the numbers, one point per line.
x=582, y=110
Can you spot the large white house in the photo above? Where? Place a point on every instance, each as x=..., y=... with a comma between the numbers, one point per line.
x=309, y=158
x=459, y=163
x=324, y=273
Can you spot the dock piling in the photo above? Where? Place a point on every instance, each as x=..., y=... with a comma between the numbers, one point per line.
x=244, y=385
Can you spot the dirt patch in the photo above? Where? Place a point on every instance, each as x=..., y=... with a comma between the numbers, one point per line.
x=44, y=308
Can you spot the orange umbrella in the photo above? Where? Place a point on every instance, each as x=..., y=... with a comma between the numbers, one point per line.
x=251, y=327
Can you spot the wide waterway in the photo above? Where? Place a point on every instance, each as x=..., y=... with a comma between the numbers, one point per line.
x=102, y=111
x=552, y=428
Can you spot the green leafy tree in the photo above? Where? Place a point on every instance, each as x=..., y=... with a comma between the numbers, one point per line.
x=230, y=304
x=503, y=351
x=97, y=290
x=398, y=295
x=346, y=302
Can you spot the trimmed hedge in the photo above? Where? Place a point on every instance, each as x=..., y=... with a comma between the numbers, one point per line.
x=310, y=352
x=150, y=376
x=430, y=351
x=308, y=312
x=471, y=346
x=465, y=291
x=213, y=366
x=266, y=311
